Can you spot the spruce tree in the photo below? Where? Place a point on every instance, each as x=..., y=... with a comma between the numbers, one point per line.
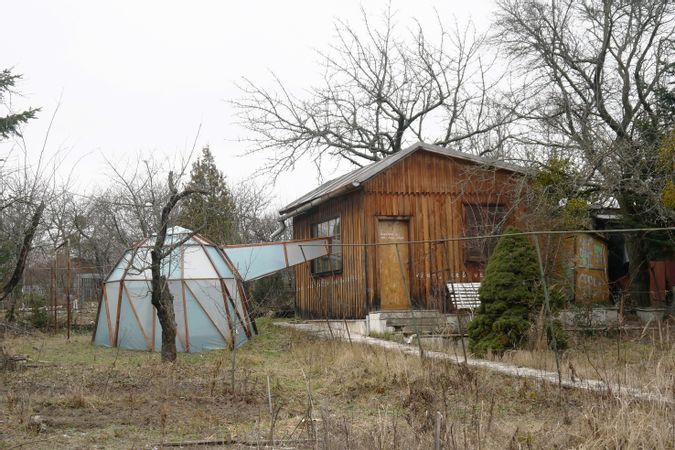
x=212, y=214
x=9, y=124
x=509, y=293
x=14, y=246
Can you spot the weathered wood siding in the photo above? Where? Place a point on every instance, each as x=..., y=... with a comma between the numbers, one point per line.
x=341, y=295
x=429, y=191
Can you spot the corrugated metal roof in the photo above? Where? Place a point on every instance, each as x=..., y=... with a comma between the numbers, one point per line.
x=352, y=180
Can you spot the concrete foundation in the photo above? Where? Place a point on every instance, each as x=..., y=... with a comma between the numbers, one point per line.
x=340, y=327
x=650, y=314
x=406, y=322
x=424, y=322
x=598, y=317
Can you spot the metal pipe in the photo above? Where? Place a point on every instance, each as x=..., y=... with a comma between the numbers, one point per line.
x=280, y=229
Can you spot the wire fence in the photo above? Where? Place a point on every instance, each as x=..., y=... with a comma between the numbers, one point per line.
x=578, y=269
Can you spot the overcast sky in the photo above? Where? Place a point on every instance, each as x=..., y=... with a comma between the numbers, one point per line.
x=141, y=76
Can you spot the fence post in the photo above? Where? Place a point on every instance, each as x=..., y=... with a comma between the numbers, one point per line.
x=52, y=292
x=68, y=280
x=406, y=286
x=460, y=328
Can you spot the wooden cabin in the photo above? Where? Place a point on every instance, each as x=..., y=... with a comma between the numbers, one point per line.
x=389, y=223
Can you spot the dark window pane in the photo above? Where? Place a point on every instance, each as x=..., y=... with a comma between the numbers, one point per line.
x=482, y=220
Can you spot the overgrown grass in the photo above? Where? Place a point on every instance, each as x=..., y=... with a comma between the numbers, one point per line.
x=326, y=394
x=644, y=360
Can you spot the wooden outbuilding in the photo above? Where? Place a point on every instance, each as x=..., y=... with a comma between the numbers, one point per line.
x=583, y=264
x=390, y=222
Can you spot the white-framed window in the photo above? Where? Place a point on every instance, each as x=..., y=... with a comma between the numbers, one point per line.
x=331, y=263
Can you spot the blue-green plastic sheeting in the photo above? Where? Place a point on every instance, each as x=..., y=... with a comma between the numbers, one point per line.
x=256, y=261
x=205, y=281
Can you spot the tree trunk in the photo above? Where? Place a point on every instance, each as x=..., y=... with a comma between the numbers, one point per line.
x=20, y=265
x=638, y=269
x=162, y=300
x=638, y=266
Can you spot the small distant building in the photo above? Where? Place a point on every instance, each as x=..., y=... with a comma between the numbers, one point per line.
x=583, y=263
x=661, y=266
x=85, y=279
x=404, y=203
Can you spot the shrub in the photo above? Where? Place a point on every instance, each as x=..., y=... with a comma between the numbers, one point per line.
x=556, y=331
x=508, y=293
x=39, y=317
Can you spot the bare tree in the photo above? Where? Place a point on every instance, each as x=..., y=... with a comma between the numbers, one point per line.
x=593, y=71
x=137, y=194
x=87, y=222
x=161, y=297
x=145, y=206
x=32, y=191
x=253, y=217
x=27, y=185
x=22, y=257
x=382, y=90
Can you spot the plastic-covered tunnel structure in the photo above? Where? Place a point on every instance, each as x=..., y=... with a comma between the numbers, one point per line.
x=206, y=283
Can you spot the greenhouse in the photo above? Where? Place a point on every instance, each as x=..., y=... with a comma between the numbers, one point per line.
x=206, y=282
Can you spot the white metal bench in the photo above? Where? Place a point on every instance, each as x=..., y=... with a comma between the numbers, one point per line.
x=464, y=296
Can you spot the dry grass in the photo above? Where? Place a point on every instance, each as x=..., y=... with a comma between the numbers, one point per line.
x=325, y=394
x=643, y=359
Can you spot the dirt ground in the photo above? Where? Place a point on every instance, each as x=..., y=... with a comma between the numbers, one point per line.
x=297, y=391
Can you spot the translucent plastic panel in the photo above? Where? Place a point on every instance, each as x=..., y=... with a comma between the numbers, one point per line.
x=203, y=333
x=236, y=299
x=238, y=328
x=176, y=234
x=112, y=293
x=140, y=296
x=257, y=261
x=219, y=262
x=210, y=296
x=243, y=320
x=196, y=263
x=139, y=268
x=102, y=330
x=299, y=252
x=139, y=290
x=117, y=273
x=171, y=264
x=130, y=334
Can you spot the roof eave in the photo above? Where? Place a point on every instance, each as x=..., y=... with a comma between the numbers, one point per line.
x=294, y=210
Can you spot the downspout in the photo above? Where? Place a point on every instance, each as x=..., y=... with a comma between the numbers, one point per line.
x=280, y=229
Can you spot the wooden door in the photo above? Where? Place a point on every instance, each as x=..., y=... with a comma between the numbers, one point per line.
x=393, y=267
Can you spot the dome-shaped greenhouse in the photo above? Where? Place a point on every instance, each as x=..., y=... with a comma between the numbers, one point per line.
x=205, y=281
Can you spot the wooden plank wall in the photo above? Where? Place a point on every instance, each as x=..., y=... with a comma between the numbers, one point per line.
x=430, y=191
x=339, y=296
